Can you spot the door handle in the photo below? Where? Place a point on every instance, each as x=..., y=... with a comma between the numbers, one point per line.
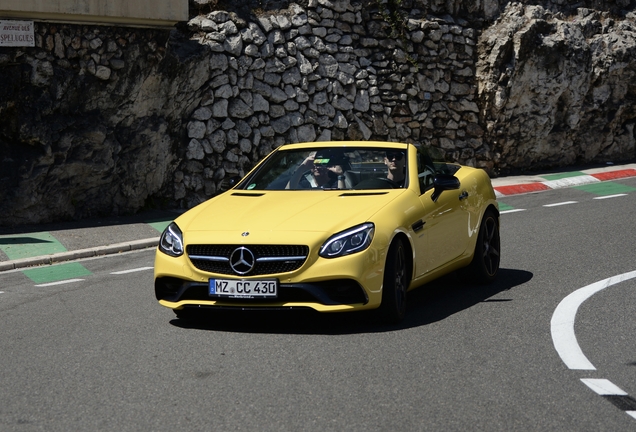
x=463, y=195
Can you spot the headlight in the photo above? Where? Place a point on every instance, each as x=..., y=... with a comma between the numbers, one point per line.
x=171, y=241
x=353, y=240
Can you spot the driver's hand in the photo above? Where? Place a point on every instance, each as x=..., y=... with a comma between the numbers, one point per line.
x=336, y=169
x=308, y=162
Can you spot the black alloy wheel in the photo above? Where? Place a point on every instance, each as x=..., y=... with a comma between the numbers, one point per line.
x=396, y=282
x=485, y=264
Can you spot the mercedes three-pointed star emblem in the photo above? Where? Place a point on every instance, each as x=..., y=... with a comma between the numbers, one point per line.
x=242, y=260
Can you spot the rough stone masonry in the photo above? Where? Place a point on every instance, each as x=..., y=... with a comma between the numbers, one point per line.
x=100, y=120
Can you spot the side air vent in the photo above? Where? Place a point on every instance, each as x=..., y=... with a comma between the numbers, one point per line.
x=244, y=194
x=362, y=194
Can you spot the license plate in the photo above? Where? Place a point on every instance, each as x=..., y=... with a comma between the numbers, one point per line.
x=264, y=288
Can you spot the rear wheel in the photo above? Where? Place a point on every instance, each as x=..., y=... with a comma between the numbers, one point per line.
x=396, y=282
x=485, y=264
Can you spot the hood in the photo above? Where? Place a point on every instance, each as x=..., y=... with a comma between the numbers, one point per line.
x=288, y=211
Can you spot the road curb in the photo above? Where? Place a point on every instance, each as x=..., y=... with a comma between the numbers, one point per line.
x=578, y=180
x=79, y=254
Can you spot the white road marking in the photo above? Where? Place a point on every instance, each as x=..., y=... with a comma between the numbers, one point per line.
x=59, y=282
x=512, y=211
x=131, y=270
x=631, y=413
x=561, y=203
x=562, y=324
x=610, y=196
x=603, y=387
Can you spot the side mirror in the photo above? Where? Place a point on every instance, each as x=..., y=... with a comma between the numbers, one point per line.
x=443, y=182
x=228, y=184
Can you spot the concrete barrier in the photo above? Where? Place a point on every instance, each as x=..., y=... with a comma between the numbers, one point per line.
x=138, y=13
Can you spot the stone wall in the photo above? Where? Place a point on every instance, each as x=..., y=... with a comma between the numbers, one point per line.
x=107, y=120
x=337, y=72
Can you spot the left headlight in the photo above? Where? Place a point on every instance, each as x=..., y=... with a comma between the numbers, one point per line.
x=350, y=241
x=171, y=241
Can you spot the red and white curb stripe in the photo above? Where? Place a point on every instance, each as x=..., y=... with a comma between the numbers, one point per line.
x=515, y=189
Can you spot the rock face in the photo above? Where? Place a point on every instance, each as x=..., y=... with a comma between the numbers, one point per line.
x=557, y=90
x=101, y=120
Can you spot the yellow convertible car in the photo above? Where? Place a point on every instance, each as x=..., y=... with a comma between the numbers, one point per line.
x=332, y=226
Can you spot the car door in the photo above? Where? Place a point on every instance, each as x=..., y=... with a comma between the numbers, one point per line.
x=445, y=219
x=446, y=224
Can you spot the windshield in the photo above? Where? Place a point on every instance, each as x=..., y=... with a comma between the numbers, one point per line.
x=330, y=168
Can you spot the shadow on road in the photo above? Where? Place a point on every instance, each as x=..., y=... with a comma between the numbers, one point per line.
x=22, y=241
x=146, y=217
x=428, y=304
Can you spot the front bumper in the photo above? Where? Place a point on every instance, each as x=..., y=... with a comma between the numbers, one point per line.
x=331, y=295
x=348, y=283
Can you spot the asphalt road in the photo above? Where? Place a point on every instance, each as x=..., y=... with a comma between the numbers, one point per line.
x=99, y=353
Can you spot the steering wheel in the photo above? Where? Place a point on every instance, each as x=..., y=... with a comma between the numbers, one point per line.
x=393, y=184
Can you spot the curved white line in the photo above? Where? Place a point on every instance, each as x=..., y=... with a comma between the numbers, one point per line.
x=562, y=324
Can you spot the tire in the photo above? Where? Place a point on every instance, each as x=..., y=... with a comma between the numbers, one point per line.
x=396, y=282
x=485, y=264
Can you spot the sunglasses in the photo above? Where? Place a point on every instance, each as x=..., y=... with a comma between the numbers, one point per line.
x=396, y=156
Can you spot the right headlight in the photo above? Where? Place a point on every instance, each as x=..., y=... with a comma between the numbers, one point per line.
x=350, y=241
x=171, y=241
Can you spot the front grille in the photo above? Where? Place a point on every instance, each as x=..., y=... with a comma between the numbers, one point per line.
x=270, y=259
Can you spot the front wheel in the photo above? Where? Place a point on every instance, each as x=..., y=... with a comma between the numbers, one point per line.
x=396, y=282
x=485, y=264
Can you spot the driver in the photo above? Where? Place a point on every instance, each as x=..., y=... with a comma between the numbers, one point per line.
x=317, y=174
x=395, y=162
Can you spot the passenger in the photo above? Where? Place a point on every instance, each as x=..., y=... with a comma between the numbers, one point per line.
x=317, y=174
x=395, y=162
